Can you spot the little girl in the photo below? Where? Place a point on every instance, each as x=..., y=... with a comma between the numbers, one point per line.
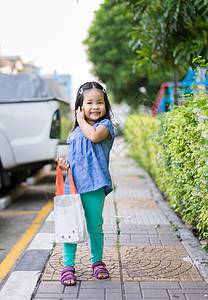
x=90, y=142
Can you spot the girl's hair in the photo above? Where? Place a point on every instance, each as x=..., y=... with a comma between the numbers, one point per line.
x=80, y=98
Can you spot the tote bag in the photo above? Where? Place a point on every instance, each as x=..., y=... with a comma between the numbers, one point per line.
x=70, y=226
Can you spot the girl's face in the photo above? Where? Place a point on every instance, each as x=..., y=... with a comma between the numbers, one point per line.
x=94, y=105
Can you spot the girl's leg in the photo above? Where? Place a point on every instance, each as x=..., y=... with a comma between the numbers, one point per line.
x=93, y=203
x=69, y=252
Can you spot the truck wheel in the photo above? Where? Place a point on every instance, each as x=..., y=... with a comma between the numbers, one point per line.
x=18, y=177
x=9, y=180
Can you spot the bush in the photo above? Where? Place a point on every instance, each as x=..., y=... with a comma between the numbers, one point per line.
x=66, y=126
x=139, y=132
x=173, y=149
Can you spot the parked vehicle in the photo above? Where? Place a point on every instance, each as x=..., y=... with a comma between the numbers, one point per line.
x=30, y=112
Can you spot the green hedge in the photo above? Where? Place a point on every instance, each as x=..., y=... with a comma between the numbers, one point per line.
x=66, y=127
x=174, y=150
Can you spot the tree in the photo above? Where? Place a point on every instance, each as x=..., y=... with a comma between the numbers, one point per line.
x=110, y=51
x=169, y=33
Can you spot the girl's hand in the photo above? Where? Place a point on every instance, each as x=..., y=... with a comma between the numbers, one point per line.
x=80, y=114
x=62, y=163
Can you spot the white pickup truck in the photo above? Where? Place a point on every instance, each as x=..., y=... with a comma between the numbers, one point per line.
x=30, y=110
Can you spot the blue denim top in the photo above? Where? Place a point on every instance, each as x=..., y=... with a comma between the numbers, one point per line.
x=89, y=162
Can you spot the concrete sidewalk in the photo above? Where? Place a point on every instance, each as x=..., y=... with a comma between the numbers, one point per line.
x=146, y=258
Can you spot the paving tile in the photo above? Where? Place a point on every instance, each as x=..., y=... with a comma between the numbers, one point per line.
x=168, y=236
x=146, y=239
x=66, y=298
x=113, y=296
x=197, y=296
x=132, y=288
x=82, y=264
x=20, y=285
x=83, y=298
x=50, y=217
x=91, y=293
x=141, y=243
x=42, y=241
x=132, y=297
x=177, y=297
x=131, y=226
x=33, y=260
x=139, y=238
x=50, y=296
x=50, y=287
x=129, y=190
x=155, y=243
x=71, y=297
x=110, y=229
x=139, y=203
x=171, y=243
x=155, y=293
x=101, y=284
x=194, y=285
x=160, y=285
x=142, y=216
x=112, y=236
x=109, y=217
x=148, y=298
x=44, y=298
x=72, y=289
x=113, y=291
x=110, y=241
x=154, y=239
x=142, y=229
x=48, y=227
x=128, y=171
x=150, y=263
x=189, y=291
x=125, y=239
x=121, y=178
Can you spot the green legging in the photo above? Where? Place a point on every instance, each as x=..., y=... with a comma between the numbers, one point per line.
x=93, y=203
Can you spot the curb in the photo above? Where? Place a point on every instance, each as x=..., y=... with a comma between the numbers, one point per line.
x=17, y=192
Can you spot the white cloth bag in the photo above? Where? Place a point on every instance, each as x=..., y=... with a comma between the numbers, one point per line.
x=70, y=225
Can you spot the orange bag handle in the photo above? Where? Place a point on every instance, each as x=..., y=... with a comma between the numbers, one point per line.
x=72, y=186
x=60, y=182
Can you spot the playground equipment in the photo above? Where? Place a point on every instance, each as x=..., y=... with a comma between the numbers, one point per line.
x=165, y=97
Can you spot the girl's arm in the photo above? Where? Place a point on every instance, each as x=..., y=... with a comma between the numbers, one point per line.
x=94, y=134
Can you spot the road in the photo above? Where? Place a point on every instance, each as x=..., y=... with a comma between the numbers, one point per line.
x=21, y=220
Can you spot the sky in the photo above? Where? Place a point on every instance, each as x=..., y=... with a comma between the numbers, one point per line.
x=49, y=33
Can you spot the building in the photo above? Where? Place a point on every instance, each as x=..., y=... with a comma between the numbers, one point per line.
x=14, y=65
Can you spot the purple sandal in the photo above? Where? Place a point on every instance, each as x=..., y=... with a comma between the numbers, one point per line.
x=99, y=267
x=64, y=276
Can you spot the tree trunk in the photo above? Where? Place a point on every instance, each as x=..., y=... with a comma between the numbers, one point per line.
x=176, y=86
